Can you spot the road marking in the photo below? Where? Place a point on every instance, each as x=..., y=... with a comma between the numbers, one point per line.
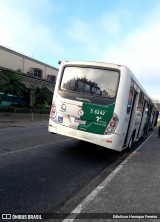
x=72, y=216
x=29, y=148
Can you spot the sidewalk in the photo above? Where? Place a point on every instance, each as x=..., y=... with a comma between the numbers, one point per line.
x=23, y=119
x=131, y=189
x=6, y=124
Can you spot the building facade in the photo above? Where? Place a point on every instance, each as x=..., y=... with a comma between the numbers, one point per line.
x=18, y=62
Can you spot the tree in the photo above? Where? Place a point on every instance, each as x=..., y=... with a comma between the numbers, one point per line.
x=42, y=97
x=10, y=83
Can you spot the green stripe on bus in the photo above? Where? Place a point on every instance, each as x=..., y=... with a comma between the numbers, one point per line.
x=97, y=117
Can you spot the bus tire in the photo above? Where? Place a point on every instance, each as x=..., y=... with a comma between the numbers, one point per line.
x=130, y=144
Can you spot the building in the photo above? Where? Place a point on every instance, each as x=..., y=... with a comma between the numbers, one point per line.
x=32, y=72
x=20, y=63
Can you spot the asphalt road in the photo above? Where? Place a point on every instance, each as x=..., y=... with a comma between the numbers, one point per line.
x=45, y=173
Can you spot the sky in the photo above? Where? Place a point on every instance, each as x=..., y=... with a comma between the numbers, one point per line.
x=115, y=31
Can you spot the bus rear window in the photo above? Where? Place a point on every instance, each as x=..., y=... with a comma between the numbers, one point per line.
x=93, y=81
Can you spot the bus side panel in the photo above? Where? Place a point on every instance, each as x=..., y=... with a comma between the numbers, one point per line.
x=121, y=107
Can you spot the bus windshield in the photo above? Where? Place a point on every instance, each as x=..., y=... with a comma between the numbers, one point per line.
x=93, y=81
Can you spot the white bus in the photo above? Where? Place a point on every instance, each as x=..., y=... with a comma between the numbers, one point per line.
x=100, y=103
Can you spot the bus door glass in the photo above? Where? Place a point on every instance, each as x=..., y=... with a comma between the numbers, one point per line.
x=130, y=99
x=139, y=109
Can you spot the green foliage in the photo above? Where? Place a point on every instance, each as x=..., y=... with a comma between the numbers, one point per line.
x=42, y=97
x=10, y=83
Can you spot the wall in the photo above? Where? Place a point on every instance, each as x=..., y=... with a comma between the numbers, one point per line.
x=17, y=61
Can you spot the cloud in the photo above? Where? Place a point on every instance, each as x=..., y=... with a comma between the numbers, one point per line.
x=82, y=34
x=24, y=30
x=47, y=30
x=95, y=34
x=116, y=37
x=140, y=51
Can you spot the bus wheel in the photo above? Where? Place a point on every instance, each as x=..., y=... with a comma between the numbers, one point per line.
x=130, y=144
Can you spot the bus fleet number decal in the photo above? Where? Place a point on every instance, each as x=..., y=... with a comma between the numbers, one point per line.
x=97, y=111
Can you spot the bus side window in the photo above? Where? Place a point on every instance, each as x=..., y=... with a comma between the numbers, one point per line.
x=130, y=98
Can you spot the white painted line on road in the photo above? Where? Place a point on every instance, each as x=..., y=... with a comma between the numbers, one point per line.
x=29, y=148
x=72, y=216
